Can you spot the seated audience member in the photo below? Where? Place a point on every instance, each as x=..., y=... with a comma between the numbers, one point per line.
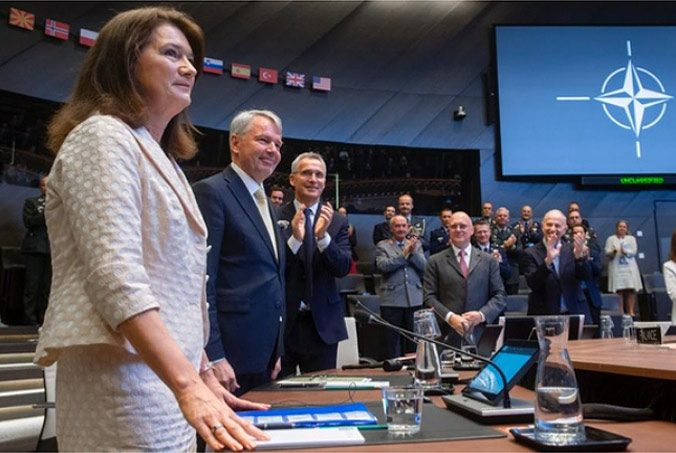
x=554, y=270
x=317, y=252
x=506, y=237
x=575, y=206
x=439, y=238
x=574, y=219
x=402, y=264
x=276, y=197
x=487, y=213
x=482, y=241
x=529, y=228
x=382, y=230
x=591, y=285
x=405, y=205
x=669, y=271
x=624, y=277
x=463, y=284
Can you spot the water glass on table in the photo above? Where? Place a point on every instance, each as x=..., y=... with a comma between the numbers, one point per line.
x=403, y=409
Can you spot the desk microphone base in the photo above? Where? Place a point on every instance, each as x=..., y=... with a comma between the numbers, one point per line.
x=521, y=411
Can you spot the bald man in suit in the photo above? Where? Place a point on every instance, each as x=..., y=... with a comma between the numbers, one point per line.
x=463, y=284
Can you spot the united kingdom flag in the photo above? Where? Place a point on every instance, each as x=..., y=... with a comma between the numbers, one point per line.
x=295, y=79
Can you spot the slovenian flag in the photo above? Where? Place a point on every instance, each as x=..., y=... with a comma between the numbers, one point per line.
x=88, y=37
x=213, y=66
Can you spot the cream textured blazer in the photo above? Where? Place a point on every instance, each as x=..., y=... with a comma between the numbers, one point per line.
x=126, y=236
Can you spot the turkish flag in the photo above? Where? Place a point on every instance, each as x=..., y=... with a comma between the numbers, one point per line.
x=267, y=75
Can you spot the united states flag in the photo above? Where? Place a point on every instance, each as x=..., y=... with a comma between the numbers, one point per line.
x=295, y=79
x=321, y=83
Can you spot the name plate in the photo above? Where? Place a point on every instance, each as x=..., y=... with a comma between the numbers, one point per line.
x=649, y=335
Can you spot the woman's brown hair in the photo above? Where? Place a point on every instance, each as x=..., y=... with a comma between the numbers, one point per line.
x=106, y=83
x=672, y=249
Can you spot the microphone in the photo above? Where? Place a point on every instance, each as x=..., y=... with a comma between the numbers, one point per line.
x=366, y=316
x=387, y=365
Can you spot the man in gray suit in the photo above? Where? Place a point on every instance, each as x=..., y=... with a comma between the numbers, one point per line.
x=463, y=284
x=402, y=263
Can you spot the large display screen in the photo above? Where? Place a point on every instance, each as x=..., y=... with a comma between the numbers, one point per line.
x=586, y=100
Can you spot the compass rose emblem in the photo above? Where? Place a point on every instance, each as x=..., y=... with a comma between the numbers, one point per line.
x=626, y=96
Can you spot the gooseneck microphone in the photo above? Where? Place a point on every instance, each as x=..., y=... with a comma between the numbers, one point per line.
x=366, y=316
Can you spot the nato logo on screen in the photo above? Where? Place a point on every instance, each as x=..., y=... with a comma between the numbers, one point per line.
x=586, y=100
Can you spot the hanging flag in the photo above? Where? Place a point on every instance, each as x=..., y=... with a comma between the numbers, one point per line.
x=321, y=83
x=295, y=79
x=56, y=29
x=266, y=75
x=87, y=37
x=213, y=66
x=240, y=71
x=21, y=19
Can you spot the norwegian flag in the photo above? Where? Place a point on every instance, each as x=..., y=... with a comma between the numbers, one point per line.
x=56, y=29
x=295, y=79
x=21, y=19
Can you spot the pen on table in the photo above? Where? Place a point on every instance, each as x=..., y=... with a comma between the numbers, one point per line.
x=369, y=427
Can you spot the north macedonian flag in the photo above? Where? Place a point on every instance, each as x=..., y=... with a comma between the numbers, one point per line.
x=21, y=19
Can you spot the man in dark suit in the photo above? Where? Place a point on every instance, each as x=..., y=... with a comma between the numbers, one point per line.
x=35, y=248
x=591, y=286
x=463, y=284
x=439, y=238
x=317, y=251
x=554, y=270
x=246, y=261
x=382, y=230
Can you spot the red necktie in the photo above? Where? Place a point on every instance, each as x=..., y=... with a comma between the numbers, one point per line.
x=463, y=265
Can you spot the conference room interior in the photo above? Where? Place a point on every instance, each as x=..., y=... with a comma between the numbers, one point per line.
x=400, y=72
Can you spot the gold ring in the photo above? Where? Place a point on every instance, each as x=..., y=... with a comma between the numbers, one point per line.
x=216, y=427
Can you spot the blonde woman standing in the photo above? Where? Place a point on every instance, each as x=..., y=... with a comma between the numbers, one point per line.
x=624, y=277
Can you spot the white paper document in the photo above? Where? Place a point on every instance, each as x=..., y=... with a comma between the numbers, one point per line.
x=310, y=437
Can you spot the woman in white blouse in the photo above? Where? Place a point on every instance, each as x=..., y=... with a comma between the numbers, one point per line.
x=624, y=277
x=127, y=310
x=669, y=271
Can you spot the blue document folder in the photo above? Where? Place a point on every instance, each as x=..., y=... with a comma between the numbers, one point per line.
x=310, y=417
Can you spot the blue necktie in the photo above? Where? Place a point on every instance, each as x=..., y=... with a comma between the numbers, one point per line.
x=308, y=247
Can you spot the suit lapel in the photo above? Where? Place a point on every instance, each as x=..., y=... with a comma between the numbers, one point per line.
x=245, y=200
x=453, y=261
x=474, y=260
x=173, y=176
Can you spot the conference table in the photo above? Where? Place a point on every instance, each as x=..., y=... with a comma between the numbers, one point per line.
x=605, y=356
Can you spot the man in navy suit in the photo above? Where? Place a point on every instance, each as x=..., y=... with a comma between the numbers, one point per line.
x=554, y=270
x=317, y=252
x=591, y=286
x=246, y=260
x=439, y=238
